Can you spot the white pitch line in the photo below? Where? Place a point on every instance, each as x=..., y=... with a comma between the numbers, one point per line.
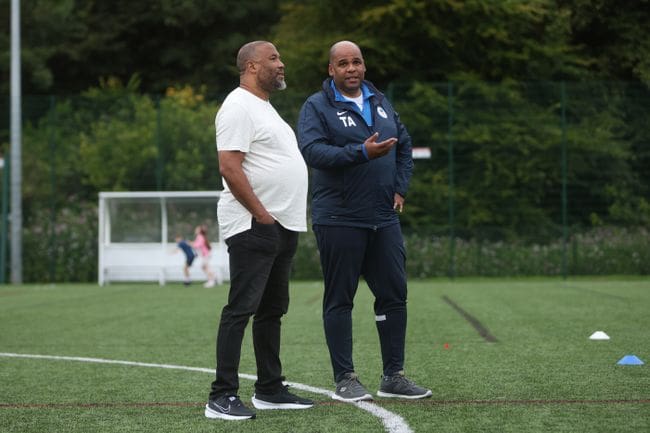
x=393, y=423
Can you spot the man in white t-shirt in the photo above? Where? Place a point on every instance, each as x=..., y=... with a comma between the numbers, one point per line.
x=261, y=210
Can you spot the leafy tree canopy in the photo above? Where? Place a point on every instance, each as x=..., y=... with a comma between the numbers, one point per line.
x=68, y=45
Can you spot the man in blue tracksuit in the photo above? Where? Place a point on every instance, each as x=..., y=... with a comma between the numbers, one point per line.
x=361, y=163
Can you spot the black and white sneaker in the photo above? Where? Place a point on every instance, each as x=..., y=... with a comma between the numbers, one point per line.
x=228, y=407
x=398, y=386
x=349, y=389
x=280, y=400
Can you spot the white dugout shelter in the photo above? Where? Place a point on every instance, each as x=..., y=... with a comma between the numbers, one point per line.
x=137, y=232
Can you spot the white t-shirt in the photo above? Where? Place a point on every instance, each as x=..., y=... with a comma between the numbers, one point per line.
x=273, y=163
x=357, y=100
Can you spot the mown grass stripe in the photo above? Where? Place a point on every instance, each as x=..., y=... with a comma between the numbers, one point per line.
x=482, y=330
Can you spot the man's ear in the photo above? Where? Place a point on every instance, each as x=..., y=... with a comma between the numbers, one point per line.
x=330, y=70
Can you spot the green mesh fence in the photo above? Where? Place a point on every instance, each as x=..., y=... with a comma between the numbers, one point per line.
x=532, y=178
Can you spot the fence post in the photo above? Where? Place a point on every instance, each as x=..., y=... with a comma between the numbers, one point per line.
x=51, y=242
x=3, y=221
x=450, y=144
x=159, y=160
x=565, y=230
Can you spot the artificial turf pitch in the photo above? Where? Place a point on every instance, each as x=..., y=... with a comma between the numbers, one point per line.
x=501, y=355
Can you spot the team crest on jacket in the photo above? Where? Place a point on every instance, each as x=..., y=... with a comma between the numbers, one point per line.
x=382, y=113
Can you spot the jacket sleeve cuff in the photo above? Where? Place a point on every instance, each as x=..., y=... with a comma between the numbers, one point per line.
x=365, y=152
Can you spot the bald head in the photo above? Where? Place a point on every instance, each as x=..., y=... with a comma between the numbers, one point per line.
x=343, y=45
x=260, y=69
x=347, y=68
x=247, y=53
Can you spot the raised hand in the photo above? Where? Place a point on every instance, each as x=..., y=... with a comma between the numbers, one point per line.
x=376, y=149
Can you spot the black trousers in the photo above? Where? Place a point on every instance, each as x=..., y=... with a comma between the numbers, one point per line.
x=260, y=266
x=346, y=254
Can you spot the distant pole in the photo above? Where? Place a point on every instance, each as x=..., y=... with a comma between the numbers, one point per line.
x=3, y=219
x=565, y=227
x=51, y=249
x=450, y=143
x=16, y=138
x=159, y=160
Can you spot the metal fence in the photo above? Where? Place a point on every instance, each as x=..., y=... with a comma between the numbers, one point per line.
x=528, y=178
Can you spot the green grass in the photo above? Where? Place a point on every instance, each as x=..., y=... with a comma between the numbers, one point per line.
x=542, y=375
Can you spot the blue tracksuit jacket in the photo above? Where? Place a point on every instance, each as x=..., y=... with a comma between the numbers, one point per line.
x=347, y=188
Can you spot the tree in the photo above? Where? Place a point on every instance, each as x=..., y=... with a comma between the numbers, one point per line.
x=114, y=138
x=68, y=45
x=47, y=29
x=614, y=40
x=615, y=43
x=506, y=130
x=406, y=40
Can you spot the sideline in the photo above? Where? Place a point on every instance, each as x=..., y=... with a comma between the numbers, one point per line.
x=393, y=423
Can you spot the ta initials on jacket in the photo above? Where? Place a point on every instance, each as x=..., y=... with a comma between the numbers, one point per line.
x=347, y=121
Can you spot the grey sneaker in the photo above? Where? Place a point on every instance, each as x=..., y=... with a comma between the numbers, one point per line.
x=398, y=386
x=228, y=407
x=350, y=389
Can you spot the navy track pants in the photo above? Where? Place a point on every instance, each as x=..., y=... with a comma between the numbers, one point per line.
x=346, y=254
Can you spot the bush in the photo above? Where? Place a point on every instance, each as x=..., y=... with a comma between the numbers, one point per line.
x=598, y=251
x=61, y=247
x=610, y=250
x=306, y=262
x=64, y=249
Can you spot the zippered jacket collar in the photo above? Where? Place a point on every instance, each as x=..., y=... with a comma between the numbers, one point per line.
x=327, y=89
